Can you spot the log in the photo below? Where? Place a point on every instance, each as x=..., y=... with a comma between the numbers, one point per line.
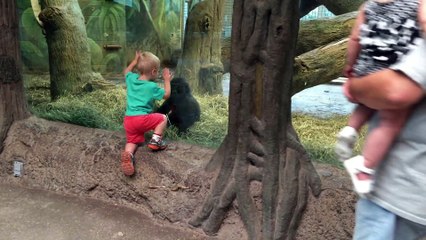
x=320, y=51
x=320, y=32
x=319, y=66
x=312, y=34
x=340, y=6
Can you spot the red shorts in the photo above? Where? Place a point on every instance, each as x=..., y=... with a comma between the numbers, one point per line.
x=136, y=126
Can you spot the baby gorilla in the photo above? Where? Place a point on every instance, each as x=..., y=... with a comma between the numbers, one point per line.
x=182, y=108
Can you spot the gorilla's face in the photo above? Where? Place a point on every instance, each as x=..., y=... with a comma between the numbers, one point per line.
x=179, y=87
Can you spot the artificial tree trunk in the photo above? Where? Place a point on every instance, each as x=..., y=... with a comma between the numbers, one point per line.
x=201, y=57
x=69, y=52
x=261, y=146
x=13, y=104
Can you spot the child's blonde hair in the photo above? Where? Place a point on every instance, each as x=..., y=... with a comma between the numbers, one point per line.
x=147, y=62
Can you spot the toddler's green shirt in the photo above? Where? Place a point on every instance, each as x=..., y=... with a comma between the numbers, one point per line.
x=141, y=95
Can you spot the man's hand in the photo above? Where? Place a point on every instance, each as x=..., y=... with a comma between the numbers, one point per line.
x=347, y=71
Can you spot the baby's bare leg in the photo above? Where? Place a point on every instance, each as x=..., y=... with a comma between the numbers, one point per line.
x=360, y=116
x=380, y=139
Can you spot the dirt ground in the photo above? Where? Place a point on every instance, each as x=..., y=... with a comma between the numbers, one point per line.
x=168, y=186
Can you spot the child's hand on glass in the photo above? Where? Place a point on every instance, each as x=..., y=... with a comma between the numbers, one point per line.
x=167, y=74
x=137, y=55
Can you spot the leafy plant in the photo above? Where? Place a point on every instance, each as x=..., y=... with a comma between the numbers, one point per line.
x=96, y=54
x=30, y=25
x=105, y=21
x=33, y=57
x=135, y=5
x=33, y=43
x=112, y=62
x=23, y=4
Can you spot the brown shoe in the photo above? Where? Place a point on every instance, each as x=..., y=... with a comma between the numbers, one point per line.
x=127, y=163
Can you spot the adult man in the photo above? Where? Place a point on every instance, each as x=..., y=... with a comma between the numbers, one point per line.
x=396, y=209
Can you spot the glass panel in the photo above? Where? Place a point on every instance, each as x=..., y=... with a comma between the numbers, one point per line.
x=319, y=12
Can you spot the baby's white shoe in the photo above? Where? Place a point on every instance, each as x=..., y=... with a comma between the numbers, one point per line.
x=346, y=140
x=355, y=166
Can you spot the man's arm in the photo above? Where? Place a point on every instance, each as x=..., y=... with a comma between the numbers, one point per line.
x=386, y=89
x=422, y=16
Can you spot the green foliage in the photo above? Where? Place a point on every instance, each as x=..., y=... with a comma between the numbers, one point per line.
x=33, y=43
x=23, y=4
x=135, y=6
x=96, y=53
x=28, y=48
x=31, y=27
x=106, y=20
x=33, y=57
x=112, y=62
